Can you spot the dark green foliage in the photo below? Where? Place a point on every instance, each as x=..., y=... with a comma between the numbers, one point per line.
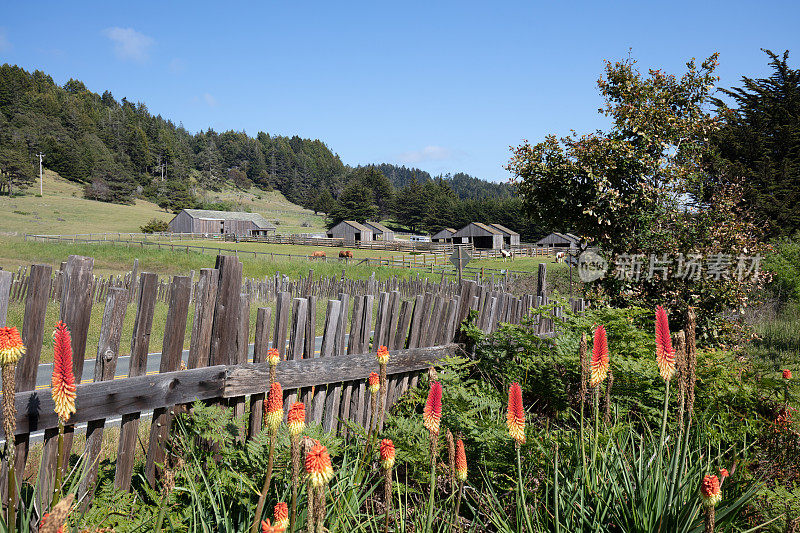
x=155, y=225
x=324, y=202
x=86, y=137
x=759, y=144
x=16, y=167
x=357, y=202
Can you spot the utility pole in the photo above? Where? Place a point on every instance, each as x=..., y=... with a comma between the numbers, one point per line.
x=41, y=181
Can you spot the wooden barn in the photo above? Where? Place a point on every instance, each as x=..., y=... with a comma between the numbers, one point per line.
x=221, y=223
x=350, y=230
x=444, y=236
x=480, y=235
x=379, y=231
x=510, y=237
x=560, y=240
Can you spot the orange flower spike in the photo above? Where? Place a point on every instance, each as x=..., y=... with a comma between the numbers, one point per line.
x=318, y=465
x=516, y=414
x=432, y=414
x=387, y=454
x=267, y=528
x=383, y=355
x=710, y=491
x=274, y=406
x=297, y=418
x=787, y=374
x=598, y=368
x=11, y=347
x=374, y=382
x=62, y=383
x=273, y=356
x=281, y=515
x=461, y=461
x=665, y=354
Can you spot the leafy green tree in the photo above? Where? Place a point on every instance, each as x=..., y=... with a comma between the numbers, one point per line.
x=355, y=203
x=324, y=203
x=411, y=206
x=174, y=195
x=759, y=145
x=16, y=168
x=627, y=190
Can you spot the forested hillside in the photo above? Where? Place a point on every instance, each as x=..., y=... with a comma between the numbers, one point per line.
x=119, y=151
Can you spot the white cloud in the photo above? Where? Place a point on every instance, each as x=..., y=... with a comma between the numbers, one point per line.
x=129, y=44
x=5, y=45
x=210, y=100
x=429, y=153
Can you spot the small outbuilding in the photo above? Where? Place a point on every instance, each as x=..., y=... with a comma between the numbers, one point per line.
x=560, y=240
x=510, y=237
x=236, y=223
x=350, y=230
x=480, y=235
x=379, y=231
x=444, y=236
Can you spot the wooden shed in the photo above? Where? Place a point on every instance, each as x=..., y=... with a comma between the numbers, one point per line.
x=560, y=240
x=510, y=237
x=221, y=222
x=350, y=230
x=480, y=235
x=379, y=231
x=444, y=236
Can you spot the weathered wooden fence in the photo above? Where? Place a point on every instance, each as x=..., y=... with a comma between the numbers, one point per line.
x=419, y=331
x=266, y=288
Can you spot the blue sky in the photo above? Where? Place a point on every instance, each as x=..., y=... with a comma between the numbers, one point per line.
x=444, y=86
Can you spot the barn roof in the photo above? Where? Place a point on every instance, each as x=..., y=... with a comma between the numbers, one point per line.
x=255, y=218
x=353, y=223
x=377, y=226
x=444, y=233
x=504, y=229
x=559, y=237
x=466, y=231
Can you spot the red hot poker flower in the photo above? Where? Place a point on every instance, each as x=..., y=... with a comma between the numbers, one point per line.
x=710, y=491
x=461, y=461
x=787, y=374
x=297, y=418
x=600, y=360
x=62, y=383
x=11, y=347
x=387, y=454
x=267, y=528
x=318, y=465
x=515, y=417
x=665, y=354
x=723, y=473
x=433, y=408
x=273, y=356
x=383, y=355
x=274, y=406
x=374, y=382
x=281, y=515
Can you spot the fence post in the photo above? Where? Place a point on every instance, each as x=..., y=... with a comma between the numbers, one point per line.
x=326, y=350
x=104, y=369
x=226, y=312
x=171, y=353
x=260, y=347
x=76, y=310
x=137, y=366
x=296, y=341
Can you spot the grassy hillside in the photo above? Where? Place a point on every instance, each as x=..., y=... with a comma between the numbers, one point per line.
x=63, y=210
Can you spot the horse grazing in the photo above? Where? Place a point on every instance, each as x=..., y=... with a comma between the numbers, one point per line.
x=560, y=257
x=319, y=255
x=507, y=254
x=346, y=254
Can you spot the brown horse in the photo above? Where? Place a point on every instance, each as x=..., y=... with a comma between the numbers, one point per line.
x=345, y=254
x=319, y=255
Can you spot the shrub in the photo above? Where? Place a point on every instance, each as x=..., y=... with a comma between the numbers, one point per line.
x=155, y=225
